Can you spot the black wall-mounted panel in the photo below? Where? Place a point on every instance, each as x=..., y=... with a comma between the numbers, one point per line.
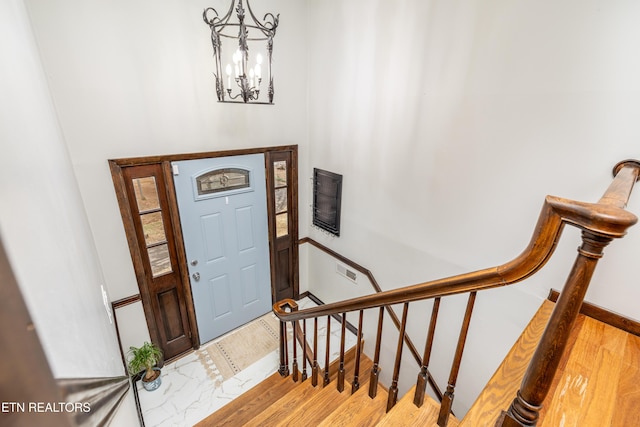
x=327, y=198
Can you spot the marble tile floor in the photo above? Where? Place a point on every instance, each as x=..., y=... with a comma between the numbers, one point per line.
x=188, y=394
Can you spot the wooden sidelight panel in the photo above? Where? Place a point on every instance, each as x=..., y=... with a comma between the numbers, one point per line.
x=153, y=248
x=169, y=301
x=282, y=204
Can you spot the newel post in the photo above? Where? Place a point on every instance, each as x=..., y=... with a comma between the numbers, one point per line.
x=525, y=408
x=601, y=223
x=281, y=306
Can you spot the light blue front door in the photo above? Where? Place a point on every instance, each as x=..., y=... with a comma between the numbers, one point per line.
x=223, y=213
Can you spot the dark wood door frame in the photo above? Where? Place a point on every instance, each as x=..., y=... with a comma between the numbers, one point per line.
x=283, y=237
x=135, y=245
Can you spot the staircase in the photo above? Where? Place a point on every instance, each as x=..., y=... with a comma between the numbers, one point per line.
x=540, y=382
x=279, y=401
x=595, y=386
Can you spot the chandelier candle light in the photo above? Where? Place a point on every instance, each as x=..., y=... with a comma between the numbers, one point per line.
x=247, y=78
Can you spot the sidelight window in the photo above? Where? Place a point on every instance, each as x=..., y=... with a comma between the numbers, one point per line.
x=281, y=198
x=155, y=238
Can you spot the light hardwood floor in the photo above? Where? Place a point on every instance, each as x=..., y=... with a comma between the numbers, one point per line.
x=597, y=383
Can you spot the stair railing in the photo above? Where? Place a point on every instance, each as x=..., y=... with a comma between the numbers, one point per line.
x=600, y=223
x=388, y=309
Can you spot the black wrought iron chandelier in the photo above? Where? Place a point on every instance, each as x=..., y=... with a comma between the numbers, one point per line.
x=244, y=78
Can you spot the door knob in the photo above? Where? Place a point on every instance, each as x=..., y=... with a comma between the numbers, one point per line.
x=196, y=276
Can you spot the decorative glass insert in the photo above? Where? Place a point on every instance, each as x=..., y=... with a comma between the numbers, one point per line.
x=153, y=228
x=159, y=259
x=281, y=196
x=280, y=173
x=281, y=200
x=282, y=225
x=222, y=180
x=146, y=193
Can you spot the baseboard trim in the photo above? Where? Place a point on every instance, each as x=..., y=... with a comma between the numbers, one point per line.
x=603, y=315
x=304, y=295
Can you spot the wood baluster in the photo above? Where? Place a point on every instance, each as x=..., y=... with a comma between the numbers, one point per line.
x=375, y=370
x=304, y=349
x=340, y=384
x=421, y=384
x=393, y=390
x=356, y=371
x=327, y=377
x=284, y=350
x=314, y=368
x=447, y=400
x=294, y=367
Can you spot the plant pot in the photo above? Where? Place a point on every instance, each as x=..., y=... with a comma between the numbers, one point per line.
x=153, y=384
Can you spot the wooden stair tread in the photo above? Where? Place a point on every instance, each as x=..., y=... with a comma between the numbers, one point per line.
x=349, y=361
x=303, y=392
x=251, y=403
x=269, y=402
x=405, y=412
x=349, y=367
x=365, y=370
x=358, y=410
x=505, y=382
x=313, y=411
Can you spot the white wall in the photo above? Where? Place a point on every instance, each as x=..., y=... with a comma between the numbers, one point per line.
x=134, y=78
x=450, y=121
x=42, y=219
x=43, y=223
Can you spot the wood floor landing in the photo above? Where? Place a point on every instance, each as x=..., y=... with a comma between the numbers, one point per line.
x=597, y=383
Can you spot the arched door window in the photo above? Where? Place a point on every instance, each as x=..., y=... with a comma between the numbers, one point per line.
x=222, y=180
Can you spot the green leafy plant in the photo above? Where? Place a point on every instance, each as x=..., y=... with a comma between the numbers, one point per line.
x=144, y=358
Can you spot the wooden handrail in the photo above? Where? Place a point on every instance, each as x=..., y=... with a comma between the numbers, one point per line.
x=392, y=314
x=604, y=218
x=374, y=285
x=600, y=223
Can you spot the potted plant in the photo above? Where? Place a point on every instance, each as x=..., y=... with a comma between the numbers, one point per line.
x=145, y=359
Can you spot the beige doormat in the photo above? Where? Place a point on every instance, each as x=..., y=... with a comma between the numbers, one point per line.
x=237, y=350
